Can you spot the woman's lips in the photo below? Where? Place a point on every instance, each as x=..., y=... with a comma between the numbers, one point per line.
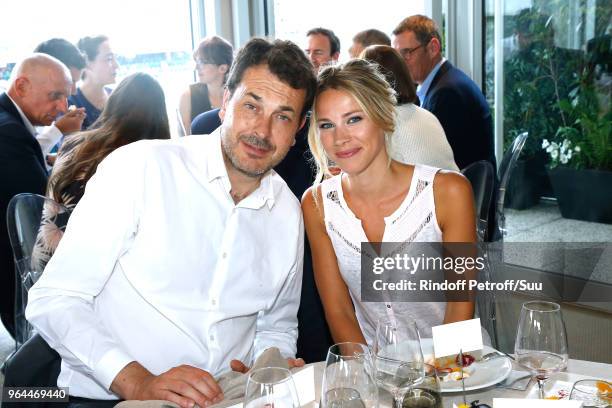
x=345, y=154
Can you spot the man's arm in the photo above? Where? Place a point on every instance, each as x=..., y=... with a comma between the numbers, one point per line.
x=51, y=135
x=61, y=303
x=277, y=327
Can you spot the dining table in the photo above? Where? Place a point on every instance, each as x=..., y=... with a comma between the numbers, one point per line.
x=576, y=370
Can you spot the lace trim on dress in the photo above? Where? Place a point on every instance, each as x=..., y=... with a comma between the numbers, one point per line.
x=420, y=187
x=354, y=247
x=333, y=195
x=400, y=248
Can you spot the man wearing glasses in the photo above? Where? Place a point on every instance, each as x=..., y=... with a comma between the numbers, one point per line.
x=446, y=91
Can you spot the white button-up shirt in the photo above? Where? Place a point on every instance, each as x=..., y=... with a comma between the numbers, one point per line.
x=158, y=265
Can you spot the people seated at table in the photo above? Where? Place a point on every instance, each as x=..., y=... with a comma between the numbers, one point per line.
x=136, y=110
x=36, y=95
x=374, y=199
x=418, y=137
x=213, y=58
x=71, y=121
x=365, y=38
x=101, y=70
x=185, y=255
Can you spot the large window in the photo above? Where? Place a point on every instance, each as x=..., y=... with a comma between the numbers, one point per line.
x=553, y=79
x=345, y=17
x=152, y=36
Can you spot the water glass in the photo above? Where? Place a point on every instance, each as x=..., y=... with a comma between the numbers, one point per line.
x=348, y=379
x=270, y=387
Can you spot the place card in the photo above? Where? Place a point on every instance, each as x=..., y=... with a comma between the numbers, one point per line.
x=534, y=403
x=450, y=339
x=305, y=384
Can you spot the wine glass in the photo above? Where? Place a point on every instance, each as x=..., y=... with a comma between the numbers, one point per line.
x=592, y=393
x=270, y=387
x=541, y=341
x=398, y=358
x=348, y=379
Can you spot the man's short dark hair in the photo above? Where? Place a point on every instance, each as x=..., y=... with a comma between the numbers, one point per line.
x=423, y=27
x=334, y=41
x=64, y=51
x=283, y=58
x=371, y=37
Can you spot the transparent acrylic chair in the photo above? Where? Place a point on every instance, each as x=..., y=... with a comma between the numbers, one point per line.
x=35, y=226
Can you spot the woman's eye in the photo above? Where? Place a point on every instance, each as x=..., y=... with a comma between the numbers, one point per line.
x=325, y=126
x=354, y=119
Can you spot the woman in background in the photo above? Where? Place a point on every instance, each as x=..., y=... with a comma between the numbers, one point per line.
x=419, y=136
x=374, y=199
x=135, y=110
x=213, y=58
x=101, y=70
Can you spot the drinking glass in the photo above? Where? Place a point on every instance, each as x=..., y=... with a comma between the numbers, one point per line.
x=348, y=379
x=541, y=341
x=398, y=358
x=426, y=394
x=592, y=393
x=270, y=387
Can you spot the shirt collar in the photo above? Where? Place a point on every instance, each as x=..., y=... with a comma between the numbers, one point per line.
x=424, y=87
x=265, y=193
x=24, y=118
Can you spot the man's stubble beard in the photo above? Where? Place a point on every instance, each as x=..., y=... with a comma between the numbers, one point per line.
x=228, y=145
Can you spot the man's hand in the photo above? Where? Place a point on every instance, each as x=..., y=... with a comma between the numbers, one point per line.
x=184, y=385
x=239, y=366
x=71, y=121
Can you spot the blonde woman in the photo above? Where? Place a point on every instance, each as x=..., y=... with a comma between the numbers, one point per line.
x=373, y=199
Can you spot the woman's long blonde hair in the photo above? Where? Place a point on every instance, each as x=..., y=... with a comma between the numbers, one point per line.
x=364, y=82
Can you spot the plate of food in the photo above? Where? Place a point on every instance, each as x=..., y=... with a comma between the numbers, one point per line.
x=477, y=373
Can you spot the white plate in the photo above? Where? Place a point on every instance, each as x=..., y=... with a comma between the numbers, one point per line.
x=485, y=374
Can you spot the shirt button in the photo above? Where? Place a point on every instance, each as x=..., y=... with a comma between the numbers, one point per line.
x=224, y=255
x=212, y=337
x=214, y=302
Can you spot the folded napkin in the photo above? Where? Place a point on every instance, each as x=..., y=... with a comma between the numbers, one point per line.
x=232, y=383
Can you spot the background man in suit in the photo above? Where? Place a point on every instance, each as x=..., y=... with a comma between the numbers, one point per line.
x=37, y=94
x=446, y=91
x=323, y=47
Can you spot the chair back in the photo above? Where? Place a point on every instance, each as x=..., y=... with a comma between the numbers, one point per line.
x=35, y=364
x=35, y=226
x=482, y=177
x=505, y=172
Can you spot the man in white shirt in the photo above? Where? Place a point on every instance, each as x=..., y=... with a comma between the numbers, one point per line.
x=185, y=254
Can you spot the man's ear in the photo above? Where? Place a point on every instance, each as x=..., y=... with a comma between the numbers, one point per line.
x=22, y=86
x=335, y=56
x=226, y=97
x=434, y=47
x=302, y=124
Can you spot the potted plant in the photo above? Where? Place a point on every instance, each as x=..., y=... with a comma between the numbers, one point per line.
x=581, y=158
x=538, y=78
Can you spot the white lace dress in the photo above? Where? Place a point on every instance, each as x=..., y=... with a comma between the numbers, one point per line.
x=413, y=221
